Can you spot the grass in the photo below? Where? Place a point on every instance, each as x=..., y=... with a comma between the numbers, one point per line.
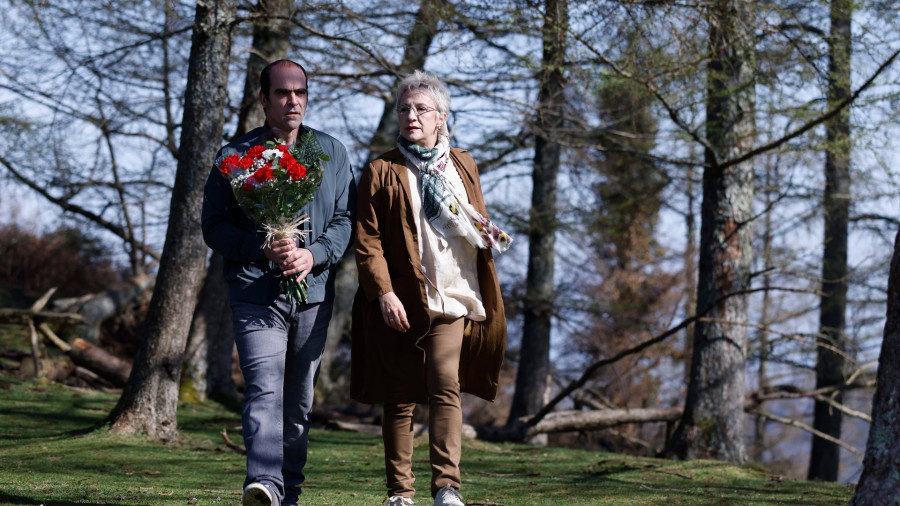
x=47, y=457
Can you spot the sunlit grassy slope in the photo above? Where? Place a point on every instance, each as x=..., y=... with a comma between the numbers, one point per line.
x=46, y=458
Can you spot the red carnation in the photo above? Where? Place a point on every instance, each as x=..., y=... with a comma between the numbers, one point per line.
x=296, y=171
x=247, y=186
x=256, y=151
x=263, y=174
x=245, y=162
x=229, y=163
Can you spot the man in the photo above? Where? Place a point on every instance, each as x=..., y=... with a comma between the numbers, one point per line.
x=279, y=341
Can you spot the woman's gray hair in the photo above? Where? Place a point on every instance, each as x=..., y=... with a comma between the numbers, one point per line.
x=423, y=81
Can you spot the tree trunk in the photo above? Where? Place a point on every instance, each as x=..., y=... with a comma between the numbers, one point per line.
x=534, y=362
x=150, y=398
x=880, y=480
x=760, y=444
x=824, y=460
x=220, y=351
x=208, y=371
x=271, y=41
x=208, y=368
x=712, y=423
x=690, y=270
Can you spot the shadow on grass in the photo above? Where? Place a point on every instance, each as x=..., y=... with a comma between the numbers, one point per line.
x=17, y=499
x=47, y=425
x=41, y=412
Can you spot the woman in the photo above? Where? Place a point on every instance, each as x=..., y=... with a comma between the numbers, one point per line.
x=428, y=319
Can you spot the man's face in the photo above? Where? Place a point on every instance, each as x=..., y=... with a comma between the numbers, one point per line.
x=285, y=104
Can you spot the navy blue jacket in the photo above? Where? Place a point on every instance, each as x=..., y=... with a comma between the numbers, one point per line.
x=230, y=232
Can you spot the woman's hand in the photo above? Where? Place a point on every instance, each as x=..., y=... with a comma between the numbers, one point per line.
x=393, y=313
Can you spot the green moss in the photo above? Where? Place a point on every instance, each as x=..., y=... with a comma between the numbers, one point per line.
x=188, y=393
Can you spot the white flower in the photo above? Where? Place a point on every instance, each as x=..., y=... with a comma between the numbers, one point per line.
x=271, y=154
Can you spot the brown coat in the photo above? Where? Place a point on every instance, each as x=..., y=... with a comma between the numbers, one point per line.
x=387, y=255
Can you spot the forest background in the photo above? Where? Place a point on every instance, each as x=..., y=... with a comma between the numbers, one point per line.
x=703, y=196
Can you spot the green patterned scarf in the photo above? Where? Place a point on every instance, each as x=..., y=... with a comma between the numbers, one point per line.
x=450, y=213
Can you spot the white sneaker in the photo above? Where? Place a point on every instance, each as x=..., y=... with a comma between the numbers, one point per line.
x=396, y=500
x=448, y=496
x=257, y=494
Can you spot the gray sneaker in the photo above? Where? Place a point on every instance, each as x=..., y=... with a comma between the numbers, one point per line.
x=448, y=496
x=257, y=494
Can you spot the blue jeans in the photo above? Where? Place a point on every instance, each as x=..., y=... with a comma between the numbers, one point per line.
x=280, y=349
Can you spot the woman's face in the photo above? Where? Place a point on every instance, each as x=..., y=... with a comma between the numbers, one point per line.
x=419, y=118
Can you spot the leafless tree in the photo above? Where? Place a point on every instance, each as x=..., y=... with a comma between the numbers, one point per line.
x=534, y=361
x=208, y=362
x=824, y=460
x=712, y=423
x=149, y=400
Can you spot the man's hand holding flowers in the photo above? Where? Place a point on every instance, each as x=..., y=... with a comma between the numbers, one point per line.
x=292, y=259
x=272, y=183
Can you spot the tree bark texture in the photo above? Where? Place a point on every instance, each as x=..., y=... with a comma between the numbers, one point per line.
x=149, y=400
x=271, y=41
x=220, y=351
x=207, y=372
x=712, y=424
x=534, y=361
x=880, y=480
x=824, y=462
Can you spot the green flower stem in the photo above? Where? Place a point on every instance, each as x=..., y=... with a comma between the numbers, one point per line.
x=295, y=290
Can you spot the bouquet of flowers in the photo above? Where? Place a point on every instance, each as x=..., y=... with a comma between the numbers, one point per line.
x=272, y=183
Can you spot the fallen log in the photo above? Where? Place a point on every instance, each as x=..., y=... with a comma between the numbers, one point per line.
x=81, y=352
x=36, y=313
x=91, y=378
x=106, y=365
x=366, y=428
x=568, y=421
x=50, y=369
x=27, y=317
x=576, y=421
x=558, y=421
x=369, y=428
x=96, y=308
x=110, y=368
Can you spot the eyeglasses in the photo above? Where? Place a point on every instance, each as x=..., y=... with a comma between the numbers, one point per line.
x=417, y=111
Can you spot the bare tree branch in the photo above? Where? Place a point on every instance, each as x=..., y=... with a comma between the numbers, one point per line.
x=73, y=208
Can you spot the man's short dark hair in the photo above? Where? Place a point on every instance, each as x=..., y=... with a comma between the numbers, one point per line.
x=265, y=77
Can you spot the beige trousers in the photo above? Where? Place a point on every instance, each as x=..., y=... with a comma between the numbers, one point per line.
x=442, y=345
